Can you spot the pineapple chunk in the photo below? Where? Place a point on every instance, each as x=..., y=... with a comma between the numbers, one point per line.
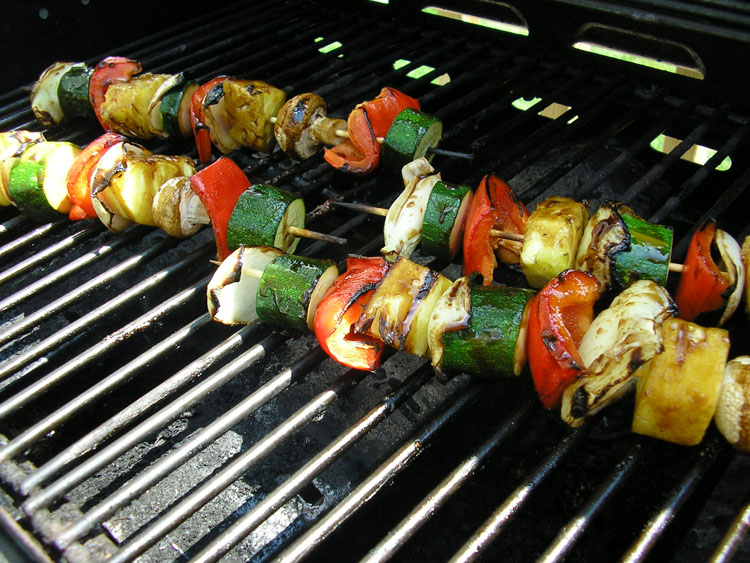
x=126, y=105
x=553, y=233
x=249, y=106
x=399, y=311
x=678, y=390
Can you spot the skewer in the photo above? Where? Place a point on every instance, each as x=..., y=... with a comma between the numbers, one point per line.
x=497, y=233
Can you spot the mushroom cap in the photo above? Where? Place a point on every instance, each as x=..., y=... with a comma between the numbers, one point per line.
x=732, y=416
x=294, y=122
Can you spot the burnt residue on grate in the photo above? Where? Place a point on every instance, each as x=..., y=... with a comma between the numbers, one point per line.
x=136, y=426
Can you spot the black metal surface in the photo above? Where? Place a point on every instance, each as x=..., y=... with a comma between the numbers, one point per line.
x=128, y=407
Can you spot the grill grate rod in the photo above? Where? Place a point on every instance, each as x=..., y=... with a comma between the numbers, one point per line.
x=216, y=428
x=436, y=498
x=733, y=537
x=570, y=533
x=182, y=511
x=135, y=292
x=12, y=224
x=661, y=520
x=67, y=270
x=42, y=256
x=31, y=237
x=383, y=475
x=107, y=384
x=484, y=536
x=265, y=508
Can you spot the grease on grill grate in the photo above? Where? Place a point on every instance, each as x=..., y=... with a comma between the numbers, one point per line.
x=135, y=425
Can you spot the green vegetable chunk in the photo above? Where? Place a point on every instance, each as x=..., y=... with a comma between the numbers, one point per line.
x=73, y=91
x=409, y=137
x=648, y=255
x=488, y=345
x=444, y=219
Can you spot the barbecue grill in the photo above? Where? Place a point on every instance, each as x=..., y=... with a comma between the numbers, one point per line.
x=132, y=425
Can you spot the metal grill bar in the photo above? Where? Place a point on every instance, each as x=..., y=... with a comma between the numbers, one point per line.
x=733, y=537
x=31, y=237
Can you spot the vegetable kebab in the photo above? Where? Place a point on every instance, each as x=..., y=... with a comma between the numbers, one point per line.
x=121, y=182
x=579, y=363
x=616, y=245
x=229, y=113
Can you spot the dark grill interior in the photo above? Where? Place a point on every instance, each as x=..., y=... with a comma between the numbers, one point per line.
x=135, y=424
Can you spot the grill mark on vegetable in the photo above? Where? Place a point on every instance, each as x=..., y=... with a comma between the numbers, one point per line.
x=430, y=279
x=214, y=95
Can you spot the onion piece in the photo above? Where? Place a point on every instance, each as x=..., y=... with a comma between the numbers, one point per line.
x=731, y=264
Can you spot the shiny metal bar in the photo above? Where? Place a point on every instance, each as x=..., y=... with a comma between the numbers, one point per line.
x=152, y=424
x=133, y=293
x=189, y=448
x=34, y=319
x=265, y=508
x=664, y=517
x=436, y=498
x=183, y=510
x=384, y=474
x=26, y=438
x=485, y=535
x=50, y=251
x=30, y=237
x=66, y=270
x=733, y=537
x=570, y=533
x=12, y=224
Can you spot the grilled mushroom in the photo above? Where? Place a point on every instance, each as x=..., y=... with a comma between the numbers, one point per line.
x=732, y=415
x=177, y=208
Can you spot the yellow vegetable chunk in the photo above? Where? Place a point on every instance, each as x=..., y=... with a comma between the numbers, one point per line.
x=678, y=390
x=249, y=106
x=400, y=309
x=126, y=105
x=550, y=244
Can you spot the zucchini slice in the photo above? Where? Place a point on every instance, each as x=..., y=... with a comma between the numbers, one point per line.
x=647, y=255
x=231, y=292
x=27, y=191
x=399, y=311
x=12, y=145
x=444, y=220
x=56, y=169
x=175, y=109
x=291, y=288
x=553, y=234
x=409, y=136
x=44, y=99
x=263, y=215
x=73, y=91
x=492, y=343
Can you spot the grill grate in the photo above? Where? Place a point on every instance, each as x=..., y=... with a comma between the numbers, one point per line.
x=133, y=425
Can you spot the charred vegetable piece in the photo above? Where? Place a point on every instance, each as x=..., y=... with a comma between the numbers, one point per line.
x=678, y=390
x=745, y=250
x=734, y=401
x=200, y=106
x=550, y=244
x=73, y=91
x=109, y=71
x=648, y=254
x=263, y=215
x=493, y=341
x=402, y=229
x=177, y=208
x=232, y=290
x=45, y=102
x=560, y=314
x=445, y=219
x=124, y=187
x=126, y=107
x=707, y=285
x=620, y=339
x=294, y=125
x=219, y=186
x=341, y=307
x=370, y=120
x=494, y=205
x=291, y=288
x=175, y=109
x=451, y=312
x=604, y=236
x=409, y=136
x=79, y=175
x=12, y=146
x=400, y=310
x=249, y=107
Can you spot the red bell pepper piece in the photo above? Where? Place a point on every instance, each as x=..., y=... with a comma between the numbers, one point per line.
x=79, y=175
x=559, y=316
x=370, y=120
x=107, y=72
x=201, y=131
x=702, y=284
x=494, y=206
x=340, y=309
x=218, y=186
